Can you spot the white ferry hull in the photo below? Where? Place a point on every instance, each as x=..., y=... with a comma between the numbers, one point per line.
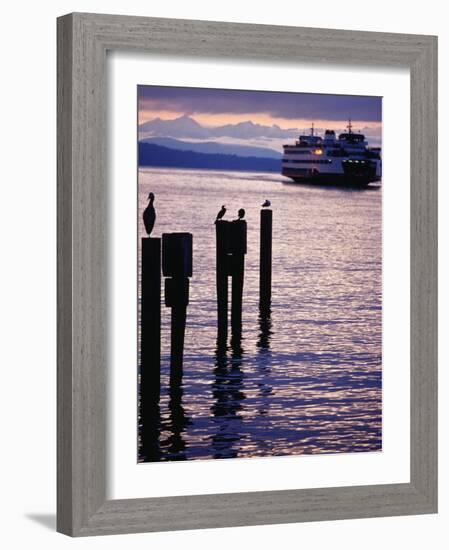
x=336, y=180
x=358, y=177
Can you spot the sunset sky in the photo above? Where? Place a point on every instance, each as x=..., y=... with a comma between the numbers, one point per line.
x=291, y=112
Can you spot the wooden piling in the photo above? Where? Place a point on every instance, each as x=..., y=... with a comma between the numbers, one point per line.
x=177, y=298
x=177, y=266
x=238, y=245
x=222, y=271
x=150, y=342
x=266, y=229
x=150, y=319
x=238, y=262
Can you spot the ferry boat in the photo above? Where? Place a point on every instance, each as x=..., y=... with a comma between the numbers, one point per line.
x=346, y=160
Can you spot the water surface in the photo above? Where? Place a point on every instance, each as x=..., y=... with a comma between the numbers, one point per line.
x=305, y=379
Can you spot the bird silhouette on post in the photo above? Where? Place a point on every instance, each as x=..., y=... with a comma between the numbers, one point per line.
x=149, y=215
x=221, y=213
x=241, y=213
x=266, y=204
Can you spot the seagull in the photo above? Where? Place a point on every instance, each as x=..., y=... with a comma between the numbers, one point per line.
x=149, y=215
x=266, y=204
x=241, y=213
x=221, y=213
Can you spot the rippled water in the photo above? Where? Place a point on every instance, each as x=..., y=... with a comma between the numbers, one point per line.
x=308, y=379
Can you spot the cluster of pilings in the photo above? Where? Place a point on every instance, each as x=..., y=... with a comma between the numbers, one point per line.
x=231, y=246
x=175, y=257
x=173, y=253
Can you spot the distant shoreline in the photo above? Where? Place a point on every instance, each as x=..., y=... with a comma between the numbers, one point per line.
x=193, y=169
x=151, y=155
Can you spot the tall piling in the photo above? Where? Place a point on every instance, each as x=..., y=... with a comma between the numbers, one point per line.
x=222, y=230
x=150, y=318
x=237, y=249
x=150, y=339
x=265, y=267
x=177, y=267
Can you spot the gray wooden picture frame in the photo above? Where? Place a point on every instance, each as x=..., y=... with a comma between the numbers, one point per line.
x=83, y=41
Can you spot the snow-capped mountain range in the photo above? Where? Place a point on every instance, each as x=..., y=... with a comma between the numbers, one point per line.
x=187, y=127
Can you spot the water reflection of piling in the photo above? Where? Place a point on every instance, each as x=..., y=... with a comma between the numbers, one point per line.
x=149, y=433
x=266, y=229
x=264, y=362
x=265, y=332
x=178, y=422
x=177, y=267
x=228, y=394
x=150, y=341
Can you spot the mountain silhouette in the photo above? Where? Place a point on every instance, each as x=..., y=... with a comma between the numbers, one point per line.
x=187, y=127
x=180, y=127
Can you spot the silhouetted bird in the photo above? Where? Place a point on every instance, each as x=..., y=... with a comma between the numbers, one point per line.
x=241, y=213
x=149, y=215
x=221, y=213
x=266, y=204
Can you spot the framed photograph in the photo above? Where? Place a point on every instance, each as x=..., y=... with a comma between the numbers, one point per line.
x=247, y=248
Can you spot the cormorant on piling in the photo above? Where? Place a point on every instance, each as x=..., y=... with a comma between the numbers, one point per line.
x=149, y=215
x=221, y=213
x=266, y=204
x=241, y=213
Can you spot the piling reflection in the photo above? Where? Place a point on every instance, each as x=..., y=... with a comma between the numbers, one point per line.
x=264, y=361
x=227, y=391
x=150, y=432
x=177, y=424
x=265, y=332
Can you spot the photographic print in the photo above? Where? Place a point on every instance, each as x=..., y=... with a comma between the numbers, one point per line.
x=259, y=273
